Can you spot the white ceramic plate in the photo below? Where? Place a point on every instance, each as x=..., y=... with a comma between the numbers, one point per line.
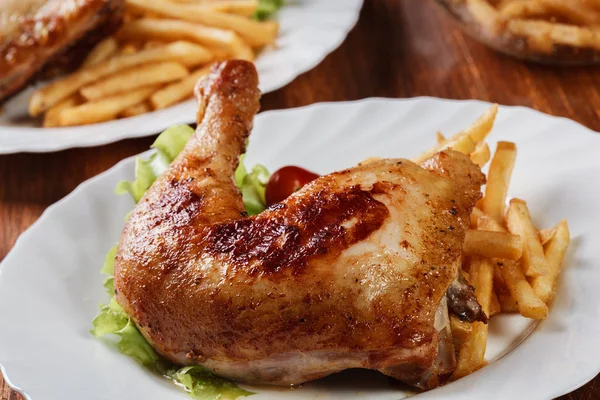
x=50, y=285
x=310, y=29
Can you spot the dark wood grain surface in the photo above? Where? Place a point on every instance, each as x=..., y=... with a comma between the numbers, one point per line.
x=399, y=48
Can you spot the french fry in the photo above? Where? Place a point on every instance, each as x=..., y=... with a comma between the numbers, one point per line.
x=103, y=110
x=136, y=109
x=439, y=138
x=172, y=29
x=481, y=155
x=481, y=128
x=498, y=180
x=51, y=117
x=495, y=307
x=461, y=143
x=128, y=48
x=472, y=353
x=555, y=250
x=546, y=235
x=254, y=32
x=189, y=54
x=543, y=35
x=528, y=303
x=153, y=44
x=491, y=244
x=482, y=278
x=507, y=303
x=486, y=15
x=101, y=52
x=465, y=141
x=133, y=78
x=475, y=215
x=575, y=11
x=369, y=160
x=177, y=91
x=460, y=331
x=519, y=223
x=524, y=9
x=246, y=8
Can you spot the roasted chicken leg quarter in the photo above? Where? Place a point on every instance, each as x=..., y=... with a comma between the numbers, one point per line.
x=349, y=272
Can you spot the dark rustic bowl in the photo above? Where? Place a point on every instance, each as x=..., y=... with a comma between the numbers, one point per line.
x=514, y=45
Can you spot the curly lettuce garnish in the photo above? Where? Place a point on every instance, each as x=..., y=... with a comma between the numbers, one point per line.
x=198, y=382
x=266, y=8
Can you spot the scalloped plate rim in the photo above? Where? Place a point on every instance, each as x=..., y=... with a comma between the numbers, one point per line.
x=82, y=186
x=302, y=68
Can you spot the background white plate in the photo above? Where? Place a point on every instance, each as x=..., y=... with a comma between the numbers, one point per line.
x=310, y=29
x=50, y=285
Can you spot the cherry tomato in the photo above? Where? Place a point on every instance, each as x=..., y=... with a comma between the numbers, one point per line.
x=286, y=181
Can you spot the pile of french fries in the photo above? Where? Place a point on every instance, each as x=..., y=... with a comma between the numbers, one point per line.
x=512, y=264
x=154, y=60
x=544, y=23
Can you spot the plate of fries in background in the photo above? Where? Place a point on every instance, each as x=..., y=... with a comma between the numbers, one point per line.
x=140, y=80
x=531, y=253
x=548, y=31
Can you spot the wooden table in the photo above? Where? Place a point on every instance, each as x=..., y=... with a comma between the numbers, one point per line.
x=400, y=48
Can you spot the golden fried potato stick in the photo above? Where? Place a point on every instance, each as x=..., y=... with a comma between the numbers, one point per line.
x=524, y=9
x=481, y=155
x=486, y=15
x=134, y=78
x=105, y=109
x=51, y=117
x=136, y=109
x=153, y=44
x=256, y=33
x=543, y=35
x=439, y=137
x=460, y=331
x=546, y=235
x=481, y=128
x=528, y=303
x=465, y=141
x=172, y=29
x=128, y=48
x=178, y=91
x=471, y=356
x=507, y=303
x=519, y=223
x=483, y=221
x=575, y=11
x=495, y=307
x=490, y=244
x=246, y=8
x=498, y=180
x=101, y=52
x=544, y=286
x=189, y=54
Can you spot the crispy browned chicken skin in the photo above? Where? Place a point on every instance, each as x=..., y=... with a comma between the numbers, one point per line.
x=349, y=272
x=38, y=34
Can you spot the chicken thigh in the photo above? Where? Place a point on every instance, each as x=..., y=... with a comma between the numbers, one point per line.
x=351, y=271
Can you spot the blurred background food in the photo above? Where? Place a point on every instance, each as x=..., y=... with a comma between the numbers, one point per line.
x=548, y=31
x=43, y=38
x=152, y=61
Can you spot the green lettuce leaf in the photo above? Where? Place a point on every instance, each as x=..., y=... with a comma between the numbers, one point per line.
x=266, y=8
x=253, y=186
x=112, y=319
x=109, y=269
x=202, y=385
x=168, y=145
